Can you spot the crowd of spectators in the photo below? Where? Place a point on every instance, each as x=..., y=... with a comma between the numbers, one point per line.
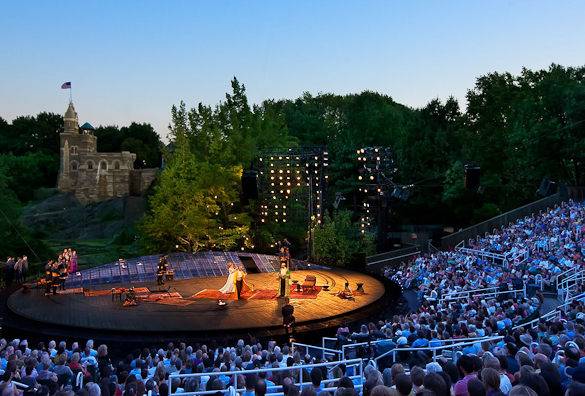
x=541, y=245
x=547, y=359
x=553, y=241
x=53, y=368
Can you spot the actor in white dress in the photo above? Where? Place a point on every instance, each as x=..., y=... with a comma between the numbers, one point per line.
x=230, y=283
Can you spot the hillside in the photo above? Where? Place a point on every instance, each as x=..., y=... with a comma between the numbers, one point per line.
x=100, y=232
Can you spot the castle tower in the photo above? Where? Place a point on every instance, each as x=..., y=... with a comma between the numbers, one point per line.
x=70, y=121
x=94, y=176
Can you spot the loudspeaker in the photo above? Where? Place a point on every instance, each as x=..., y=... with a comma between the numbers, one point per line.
x=472, y=176
x=547, y=188
x=249, y=185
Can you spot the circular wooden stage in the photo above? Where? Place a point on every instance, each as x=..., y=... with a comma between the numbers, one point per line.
x=190, y=305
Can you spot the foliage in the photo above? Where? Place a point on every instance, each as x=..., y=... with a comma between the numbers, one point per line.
x=15, y=239
x=196, y=202
x=517, y=128
x=194, y=205
x=338, y=240
x=137, y=138
x=29, y=172
x=31, y=134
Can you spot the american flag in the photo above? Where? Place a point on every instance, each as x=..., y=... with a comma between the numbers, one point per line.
x=66, y=85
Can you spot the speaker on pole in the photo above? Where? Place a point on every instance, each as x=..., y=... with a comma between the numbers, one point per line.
x=249, y=185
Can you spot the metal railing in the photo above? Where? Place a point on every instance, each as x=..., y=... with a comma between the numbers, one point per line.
x=329, y=342
x=354, y=365
x=559, y=278
x=488, y=292
x=434, y=350
x=346, y=347
x=322, y=350
x=570, y=284
x=484, y=254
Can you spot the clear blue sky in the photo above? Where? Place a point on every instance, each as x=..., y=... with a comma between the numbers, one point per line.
x=132, y=60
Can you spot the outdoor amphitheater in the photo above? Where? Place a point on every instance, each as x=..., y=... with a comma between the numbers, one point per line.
x=292, y=198
x=510, y=296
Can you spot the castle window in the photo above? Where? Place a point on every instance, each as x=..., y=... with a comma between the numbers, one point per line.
x=73, y=150
x=117, y=165
x=103, y=165
x=74, y=165
x=89, y=165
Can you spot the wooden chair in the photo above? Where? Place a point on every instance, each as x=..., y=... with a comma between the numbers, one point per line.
x=309, y=283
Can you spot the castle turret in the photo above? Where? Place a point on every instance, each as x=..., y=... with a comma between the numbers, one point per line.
x=71, y=123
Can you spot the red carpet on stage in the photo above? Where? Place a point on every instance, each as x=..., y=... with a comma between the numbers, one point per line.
x=95, y=293
x=260, y=294
x=309, y=294
x=156, y=297
x=217, y=295
x=181, y=302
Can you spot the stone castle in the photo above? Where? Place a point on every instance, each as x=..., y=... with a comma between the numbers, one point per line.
x=93, y=176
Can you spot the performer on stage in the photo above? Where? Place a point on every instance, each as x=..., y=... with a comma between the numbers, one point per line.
x=239, y=276
x=229, y=285
x=161, y=270
x=236, y=282
x=288, y=318
x=63, y=273
x=284, y=277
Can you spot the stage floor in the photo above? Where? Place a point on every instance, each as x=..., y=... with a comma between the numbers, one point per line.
x=186, y=313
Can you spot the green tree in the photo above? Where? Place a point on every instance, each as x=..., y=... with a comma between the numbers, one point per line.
x=338, y=240
x=195, y=203
x=15, y=238
x=27, y=173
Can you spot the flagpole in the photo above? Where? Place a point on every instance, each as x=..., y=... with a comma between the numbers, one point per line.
x=70, y=93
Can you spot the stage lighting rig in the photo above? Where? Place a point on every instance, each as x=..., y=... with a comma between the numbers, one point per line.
x=294, y=177
x=376, y=169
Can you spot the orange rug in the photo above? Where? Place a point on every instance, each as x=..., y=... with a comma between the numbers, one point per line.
x=181, y=302
x=156, y=297
x=95, y=293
